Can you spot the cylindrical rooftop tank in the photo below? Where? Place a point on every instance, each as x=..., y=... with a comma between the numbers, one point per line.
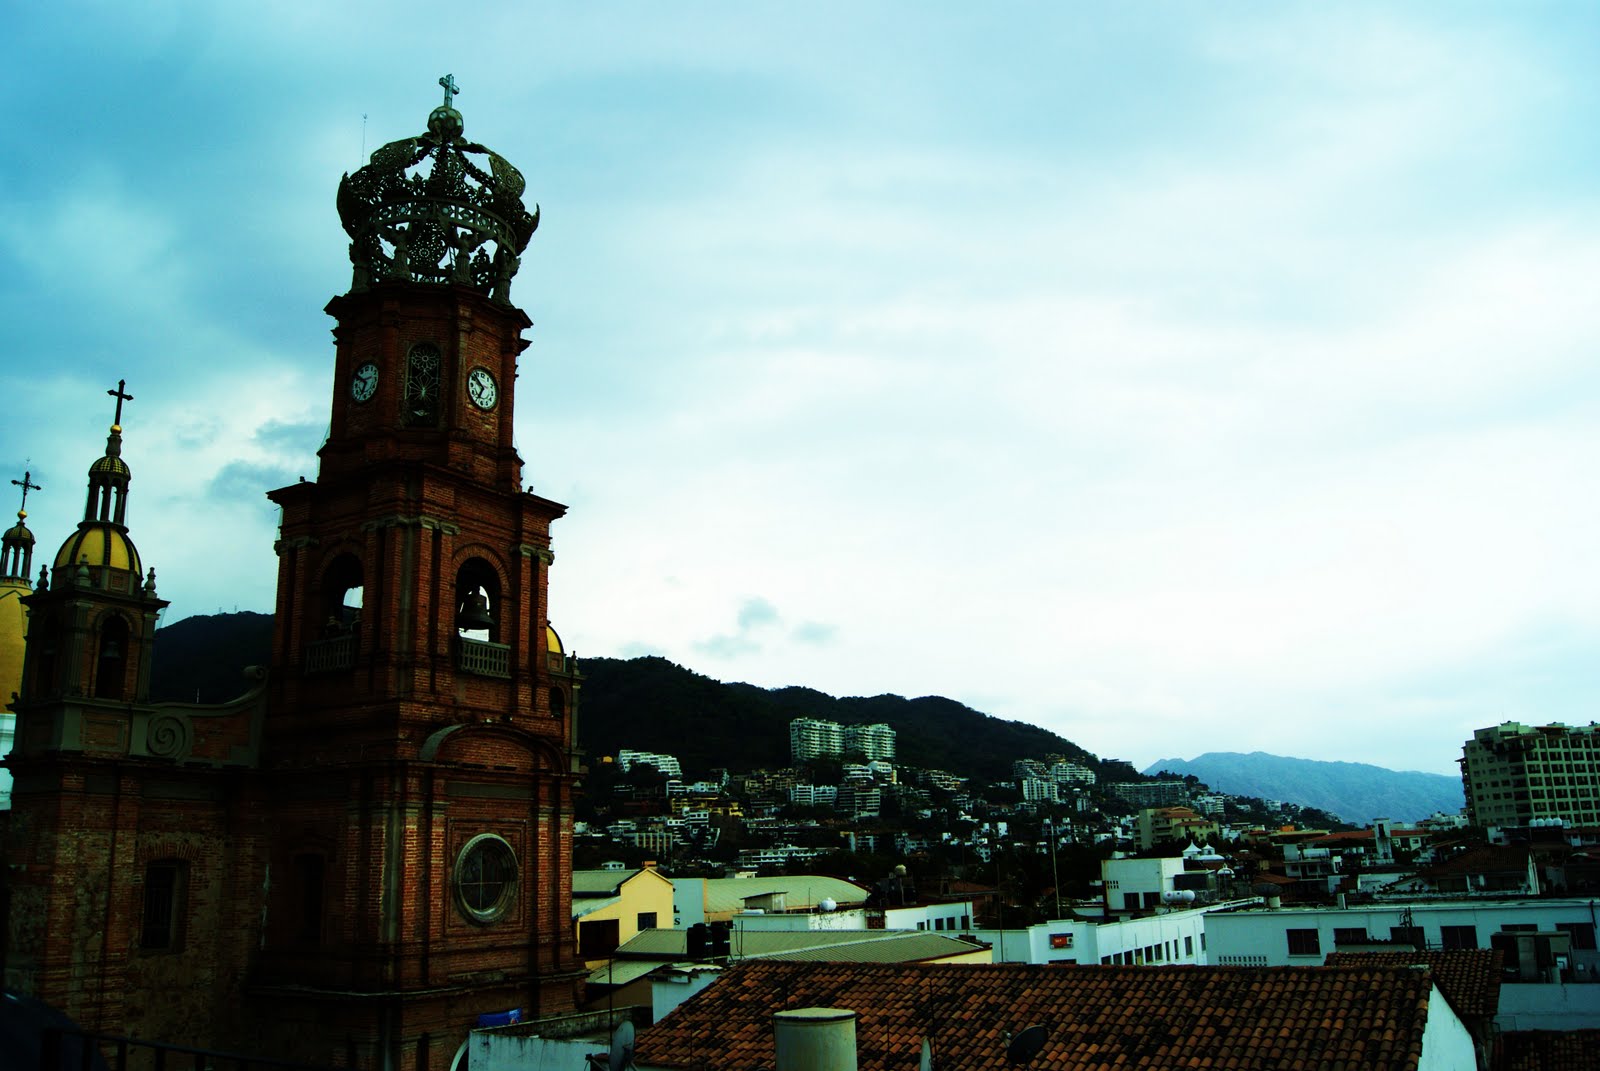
x=815, y=1039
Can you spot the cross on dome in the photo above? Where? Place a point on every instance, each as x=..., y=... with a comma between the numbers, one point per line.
x=450, y=89
x=121, y=395
x=27, y=484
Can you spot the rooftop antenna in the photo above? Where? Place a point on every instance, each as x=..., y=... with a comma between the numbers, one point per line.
x=363, y=135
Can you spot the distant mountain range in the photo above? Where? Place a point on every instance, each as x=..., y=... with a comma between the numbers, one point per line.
x=1354, y=791
x=651, y=704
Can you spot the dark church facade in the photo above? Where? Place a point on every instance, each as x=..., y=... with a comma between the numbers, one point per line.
x=370, y=848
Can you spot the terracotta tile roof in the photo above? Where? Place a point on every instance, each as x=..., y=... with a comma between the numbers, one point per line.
x=1488, y=859
x=1469, y=978
x=1550, y=1050
x=1221, y=1018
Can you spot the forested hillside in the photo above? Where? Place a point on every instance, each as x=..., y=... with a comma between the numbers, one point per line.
x=651, y=704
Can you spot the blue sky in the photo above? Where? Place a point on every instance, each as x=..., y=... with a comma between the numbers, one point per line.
x=1180, y=377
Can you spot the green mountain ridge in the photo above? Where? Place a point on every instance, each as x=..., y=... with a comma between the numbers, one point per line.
x=1355, y=791
x=652, y=704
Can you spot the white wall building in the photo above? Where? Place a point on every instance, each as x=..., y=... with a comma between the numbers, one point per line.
x=1305, y=935
x=1165, y=937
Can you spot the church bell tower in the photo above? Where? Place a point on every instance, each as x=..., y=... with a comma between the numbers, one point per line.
x=418, y=750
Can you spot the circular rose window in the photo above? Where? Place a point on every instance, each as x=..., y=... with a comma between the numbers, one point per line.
x=486, y=877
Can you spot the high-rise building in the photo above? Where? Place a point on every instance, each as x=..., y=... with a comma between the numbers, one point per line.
x=1514, y=774
x=810, y=738
x=876, y=742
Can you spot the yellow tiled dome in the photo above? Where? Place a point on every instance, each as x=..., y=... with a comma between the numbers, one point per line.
x=100, y=545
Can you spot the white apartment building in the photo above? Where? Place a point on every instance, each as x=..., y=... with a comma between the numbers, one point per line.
x=1037, y=790
x=810, y=738
x=1071, y=773
x=665, y=764
x=876, y=742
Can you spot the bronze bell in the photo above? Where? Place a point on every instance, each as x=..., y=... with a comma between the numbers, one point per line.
x=474, y=615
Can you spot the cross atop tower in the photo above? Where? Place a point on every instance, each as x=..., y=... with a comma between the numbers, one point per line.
x=450, y=89
x=27, y=484
x=121, y=395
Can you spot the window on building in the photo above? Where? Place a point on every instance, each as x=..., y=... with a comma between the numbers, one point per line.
x=165, y=893
x=647, y=920
x=111, y=666
x=1350, y=935
x=1130, y=900
x=1458, y=937
x=1408, y=935
x=308, y=873
x=599, y=938
x=486, y=878
x=1582, y=935
x=1188, y=947
x=422, y=386
x=1304, y=942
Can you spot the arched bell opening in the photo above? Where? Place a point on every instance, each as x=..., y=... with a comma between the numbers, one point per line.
x=111, y=658
x=478, y=609
x=336, y=635
x=342, y=590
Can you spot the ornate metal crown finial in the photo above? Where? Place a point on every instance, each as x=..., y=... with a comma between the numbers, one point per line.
x=453, y=223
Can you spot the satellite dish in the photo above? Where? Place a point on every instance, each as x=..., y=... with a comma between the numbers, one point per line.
x=621, y=1055
x=1026, y=1045
x=926, y=1063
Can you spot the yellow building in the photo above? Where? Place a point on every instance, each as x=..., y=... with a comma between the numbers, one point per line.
x=16, y=565
x=610, y=907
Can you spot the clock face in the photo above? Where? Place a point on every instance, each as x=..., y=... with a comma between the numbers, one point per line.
x=481, y=388
x=364, y=384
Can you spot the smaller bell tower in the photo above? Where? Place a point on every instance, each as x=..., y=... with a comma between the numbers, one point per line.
x=85, y=737
x=92, y=617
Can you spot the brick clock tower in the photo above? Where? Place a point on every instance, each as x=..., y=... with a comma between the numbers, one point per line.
x=417, y=751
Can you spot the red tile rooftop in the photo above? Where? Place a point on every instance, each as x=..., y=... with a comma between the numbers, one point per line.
x=1548, y=1050
x=1223, y=1018
x=1469, y=978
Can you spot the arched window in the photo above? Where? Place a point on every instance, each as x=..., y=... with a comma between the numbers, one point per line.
x=111, y=663
x=478, y=609
x=308, y=877
x=342, y=590
x=423, y=377
x=558, y=703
